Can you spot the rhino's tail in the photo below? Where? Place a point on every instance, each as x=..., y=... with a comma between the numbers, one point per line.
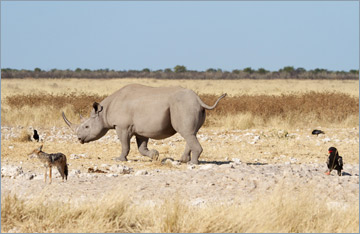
x=210, y=107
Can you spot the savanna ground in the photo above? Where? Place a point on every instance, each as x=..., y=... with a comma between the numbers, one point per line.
x=261, y=169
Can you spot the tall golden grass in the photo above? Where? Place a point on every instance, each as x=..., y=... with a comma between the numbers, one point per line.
x=250, y=103
x=236, y=112
x=284, y=210
x=11, y=87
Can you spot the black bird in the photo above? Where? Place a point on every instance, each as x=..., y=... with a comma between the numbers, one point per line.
x=36, y=136
x=317, y=132
x=334, y=161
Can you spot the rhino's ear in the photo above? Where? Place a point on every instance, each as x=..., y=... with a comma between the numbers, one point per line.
x=97, y=108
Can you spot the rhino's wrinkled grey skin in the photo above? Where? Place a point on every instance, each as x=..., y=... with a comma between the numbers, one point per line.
x=147, y=112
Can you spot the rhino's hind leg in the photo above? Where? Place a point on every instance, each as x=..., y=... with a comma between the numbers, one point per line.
x=195, y=148
x=186, y=155
x=143, y=149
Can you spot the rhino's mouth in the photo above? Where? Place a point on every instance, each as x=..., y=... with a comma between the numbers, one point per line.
x=81, y=141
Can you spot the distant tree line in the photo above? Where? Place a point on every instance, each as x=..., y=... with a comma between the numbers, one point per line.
x=181, y=72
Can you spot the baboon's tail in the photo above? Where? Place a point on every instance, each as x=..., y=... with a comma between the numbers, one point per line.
x=66, y=171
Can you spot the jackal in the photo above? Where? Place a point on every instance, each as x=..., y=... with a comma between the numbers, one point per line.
x=50, y=160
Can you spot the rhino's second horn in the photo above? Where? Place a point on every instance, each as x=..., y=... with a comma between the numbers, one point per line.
x=71, y=125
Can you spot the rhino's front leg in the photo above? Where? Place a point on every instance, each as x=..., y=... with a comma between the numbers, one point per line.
x=124, y=138
x=142, y=146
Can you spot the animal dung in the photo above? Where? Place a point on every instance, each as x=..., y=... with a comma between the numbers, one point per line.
x=92, y=170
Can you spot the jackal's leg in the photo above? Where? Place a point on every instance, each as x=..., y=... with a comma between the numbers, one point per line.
x=61, y=170
x=45, y=174
x=50, y=170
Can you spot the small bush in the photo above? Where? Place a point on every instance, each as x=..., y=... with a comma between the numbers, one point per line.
x=24, y=137
x=179, y=69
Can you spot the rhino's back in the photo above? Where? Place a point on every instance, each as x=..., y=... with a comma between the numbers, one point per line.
x=137, y=91
x=136, y=101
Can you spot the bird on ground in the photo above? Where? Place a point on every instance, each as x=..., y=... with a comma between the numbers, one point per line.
x=36, y=136
x=334, y=161
x=317, y=132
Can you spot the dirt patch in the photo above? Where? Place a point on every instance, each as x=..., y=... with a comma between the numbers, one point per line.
x=236, y=166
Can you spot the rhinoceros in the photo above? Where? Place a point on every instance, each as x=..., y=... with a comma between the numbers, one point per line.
x=146, y=112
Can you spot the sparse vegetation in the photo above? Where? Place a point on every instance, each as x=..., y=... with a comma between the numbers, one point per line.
x=181, y=72
x=287, y=209
x=24, y=137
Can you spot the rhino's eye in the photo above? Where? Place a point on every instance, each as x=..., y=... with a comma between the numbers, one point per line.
x=86, y=126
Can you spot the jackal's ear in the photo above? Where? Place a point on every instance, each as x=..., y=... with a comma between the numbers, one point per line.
x=40, y=148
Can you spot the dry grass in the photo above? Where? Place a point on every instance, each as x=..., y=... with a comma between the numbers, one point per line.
x=287, y=209
x=287, y=109
x=101, y=87
x=78, y=101
x=237, y=112
x=25, y=136
x=250, y=103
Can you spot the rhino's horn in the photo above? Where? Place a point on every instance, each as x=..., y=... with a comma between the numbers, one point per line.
x=82, y=119
x=71, y=125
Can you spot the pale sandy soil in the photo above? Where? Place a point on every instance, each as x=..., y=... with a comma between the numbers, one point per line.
x=235, y=167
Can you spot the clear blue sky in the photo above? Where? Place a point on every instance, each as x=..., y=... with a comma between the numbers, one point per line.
x=199, y=35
